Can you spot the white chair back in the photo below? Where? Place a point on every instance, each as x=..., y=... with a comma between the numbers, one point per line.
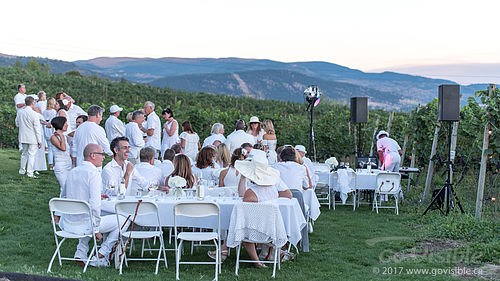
x=69, y=206
x=388, y=183
x=128, y=208
x=196, y=210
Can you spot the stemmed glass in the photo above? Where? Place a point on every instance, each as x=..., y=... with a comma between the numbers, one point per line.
x=152, y=189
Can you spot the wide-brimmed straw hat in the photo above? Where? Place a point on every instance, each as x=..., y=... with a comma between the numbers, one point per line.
x=254, y=119
x=382, y=132
x=256, y=168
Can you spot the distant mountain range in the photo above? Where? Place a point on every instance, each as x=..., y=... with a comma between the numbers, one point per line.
x=263, y=79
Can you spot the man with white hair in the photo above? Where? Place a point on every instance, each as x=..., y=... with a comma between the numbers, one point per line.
x=134, y=135
x=90, y=132
x=114, y=126
x=153, y=127
x=84, y=183
x=20, y=97
x=389, y=152
x=239, y=137
x=217, y=134
x=30, y=136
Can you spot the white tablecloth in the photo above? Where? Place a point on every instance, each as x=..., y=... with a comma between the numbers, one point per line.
x=365, y=180
x=311, y=203
x=290, y=211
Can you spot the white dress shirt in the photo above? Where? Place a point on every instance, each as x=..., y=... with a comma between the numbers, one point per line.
x=152, y=175
x=114, y=128
x=89, y=132
x=30, y=130
x=153, y=122
x=293, y=174
x=166, y=167
x=19, y=99
x=135, y=139
x=386, y=145
x=215, y=137
x=42, y=105
x=72, y=114
x=112, y=174
x=237, y=138
x=83, y=183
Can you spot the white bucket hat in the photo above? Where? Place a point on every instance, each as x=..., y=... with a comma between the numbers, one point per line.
x=254, y=119
x=115, y=108
x=382, y=132
x=300, y=148
x=256, y=168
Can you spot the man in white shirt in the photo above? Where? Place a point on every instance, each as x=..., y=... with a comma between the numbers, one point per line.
x=20, y=97
x=73, y=111
x=389, y=152
x=114, y=126
x=42, y=101
x=84, y=183
x=167, y=166
x=217, y=134
x=302, y=151
x=292, y=173
x=119, y=168
x=30, y=135
x=90, y=132
x=145, y=167
x=134, y=135
x=239, y=137
x=153, y=127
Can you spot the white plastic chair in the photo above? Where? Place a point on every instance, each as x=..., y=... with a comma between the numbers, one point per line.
x=70, y=207
x=128, y=209
x=387, y=184
x=352, y=183
x=257, y=223
x=196, y=210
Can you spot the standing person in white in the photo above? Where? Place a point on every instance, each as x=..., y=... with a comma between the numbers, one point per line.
x=153, y=128
x=90, y=132
x=217, y=134
x=239, y=137
x=134, y=135
x=42, y=101
x=73, y=111
x=170, y=131
x=84, y=183
x=30, y=136
x=114, y=126
x=19, y=98
x=190, y=141
x=61, y=150
x=389, y=152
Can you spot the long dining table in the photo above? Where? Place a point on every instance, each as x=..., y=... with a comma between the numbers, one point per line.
x=291, y=213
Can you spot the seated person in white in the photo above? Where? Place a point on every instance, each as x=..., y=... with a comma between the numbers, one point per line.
x=135, y=136
x=292, y=173
x=182, y=168
x=310, y=167
x=389, y=152
x=223, y=157
x=146, y=168
x=217, y=134
x=229, y=176
x=84, y=183
x=239, y=137
x=120, y=168
x=167, y=166
x=205, y=163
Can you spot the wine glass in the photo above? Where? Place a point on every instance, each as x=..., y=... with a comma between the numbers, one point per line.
x=152, y=187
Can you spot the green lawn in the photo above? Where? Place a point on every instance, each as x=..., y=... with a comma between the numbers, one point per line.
x=345, y=245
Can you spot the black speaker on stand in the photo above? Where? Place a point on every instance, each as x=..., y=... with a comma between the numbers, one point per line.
x=359, y=115
x=448, y=111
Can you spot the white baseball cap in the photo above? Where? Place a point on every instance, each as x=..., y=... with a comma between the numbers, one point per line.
x=300, y=148
x=115, y=108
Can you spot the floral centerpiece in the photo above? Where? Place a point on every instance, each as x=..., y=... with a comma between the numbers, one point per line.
x=177, y=183
x=332, y=162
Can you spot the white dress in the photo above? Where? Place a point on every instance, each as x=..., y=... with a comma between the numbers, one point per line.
x=48, y=132
x=167, y=140
x=264, y=192
x=271, y=144
x=63, y=163
x=231, y=179
x=40, y=162
x=191, y=145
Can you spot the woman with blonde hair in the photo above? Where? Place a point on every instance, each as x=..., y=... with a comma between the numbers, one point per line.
x=182, y=168
x=229, y=176
x=270, y=135
x=223, y=155
x=255, y=129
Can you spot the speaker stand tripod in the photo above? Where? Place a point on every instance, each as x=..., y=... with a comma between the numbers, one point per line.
x=447, y=190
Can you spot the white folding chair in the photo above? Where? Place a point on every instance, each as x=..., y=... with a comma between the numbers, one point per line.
x=352, y=184
x=134, y=209
x=322, y=179
x=257, y=223
x=387, y=184
x=70, y=207
x=196, y=210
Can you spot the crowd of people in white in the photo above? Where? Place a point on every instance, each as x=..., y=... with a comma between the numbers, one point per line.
x=144, y=152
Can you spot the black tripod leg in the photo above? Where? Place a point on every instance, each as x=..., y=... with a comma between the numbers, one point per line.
x=458, y=201
x=433, y=201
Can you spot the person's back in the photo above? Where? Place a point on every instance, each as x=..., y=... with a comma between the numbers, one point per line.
x=293, y=174
x=86, y=133
x=166, y=167
x=152, y=174
x=114, y=128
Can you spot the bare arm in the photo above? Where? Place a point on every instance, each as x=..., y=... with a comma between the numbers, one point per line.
x=285, y=194
x=222, y=175
x=242, y=186
x=173, y=128
x=57, y=141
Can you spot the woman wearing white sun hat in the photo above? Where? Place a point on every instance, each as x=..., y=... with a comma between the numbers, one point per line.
x=255, y=129
x=389, y=152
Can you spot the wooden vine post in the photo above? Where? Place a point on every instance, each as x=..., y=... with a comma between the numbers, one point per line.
x=374, y=135
x=389, y=123
x=405, y=142
x=484, y=156
x=430, y=168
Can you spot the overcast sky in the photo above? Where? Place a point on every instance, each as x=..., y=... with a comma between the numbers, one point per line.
x=365, y=35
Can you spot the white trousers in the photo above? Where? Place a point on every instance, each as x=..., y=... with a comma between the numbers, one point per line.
x=50, y=155
x=28, y=157
x=110, y=230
